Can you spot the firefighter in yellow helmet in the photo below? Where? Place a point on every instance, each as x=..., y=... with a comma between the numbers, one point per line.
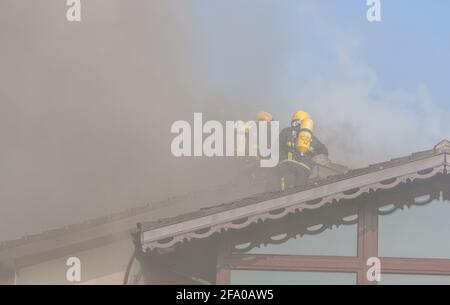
x=264, y=116
x=243, y=141
x=298, y=146
x=249, y=167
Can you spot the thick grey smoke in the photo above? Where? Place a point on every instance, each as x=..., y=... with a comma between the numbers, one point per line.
x=359, y=120
x=86, y=108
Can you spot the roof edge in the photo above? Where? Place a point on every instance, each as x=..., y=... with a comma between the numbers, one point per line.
x=168, y=235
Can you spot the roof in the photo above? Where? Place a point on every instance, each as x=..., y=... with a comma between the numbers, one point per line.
x=75, y=237
x=165, y=233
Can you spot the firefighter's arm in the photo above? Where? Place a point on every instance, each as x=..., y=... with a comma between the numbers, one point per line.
x=282, y=142
x=318, y=147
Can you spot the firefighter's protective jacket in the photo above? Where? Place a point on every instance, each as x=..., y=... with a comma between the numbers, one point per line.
x=289, y=152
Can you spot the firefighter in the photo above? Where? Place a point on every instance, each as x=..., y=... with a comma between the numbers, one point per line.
x=264, y=116
x=265, y=175
x=243, y=143
x=298, y=148
x=250, y=166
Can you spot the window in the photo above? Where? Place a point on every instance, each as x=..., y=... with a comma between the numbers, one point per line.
x=419, y=231
x=413, y=279
x=244, y=277
x=338, y=241
x=410, y=237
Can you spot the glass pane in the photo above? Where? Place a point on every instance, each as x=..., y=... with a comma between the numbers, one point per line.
x=419, y=231
x=402, y=279
x=340, y=241
x=245, y=277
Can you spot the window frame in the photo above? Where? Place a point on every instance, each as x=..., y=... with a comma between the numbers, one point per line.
x=367, y=247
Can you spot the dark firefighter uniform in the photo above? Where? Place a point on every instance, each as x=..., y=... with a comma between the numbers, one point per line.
x=295, y=167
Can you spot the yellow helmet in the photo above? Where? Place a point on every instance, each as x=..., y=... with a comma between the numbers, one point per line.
x=300, y=115
x=264, y=116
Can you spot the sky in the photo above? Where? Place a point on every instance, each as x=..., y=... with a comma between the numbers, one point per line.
x=408, y=47
x=385, y=83
x=412, y=36
x=86, y=109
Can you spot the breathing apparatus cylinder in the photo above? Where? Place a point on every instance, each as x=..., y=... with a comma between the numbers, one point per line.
x=305, y=135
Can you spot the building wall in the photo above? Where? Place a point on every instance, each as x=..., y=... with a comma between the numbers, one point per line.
x=104, y=264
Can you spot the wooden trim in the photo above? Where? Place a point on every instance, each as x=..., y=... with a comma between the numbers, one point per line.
x=222, y=267
x=156, y=237
x=367, y=247
x=415, y=266
x=367, y=238
x=294, y=263
x=361, y=276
